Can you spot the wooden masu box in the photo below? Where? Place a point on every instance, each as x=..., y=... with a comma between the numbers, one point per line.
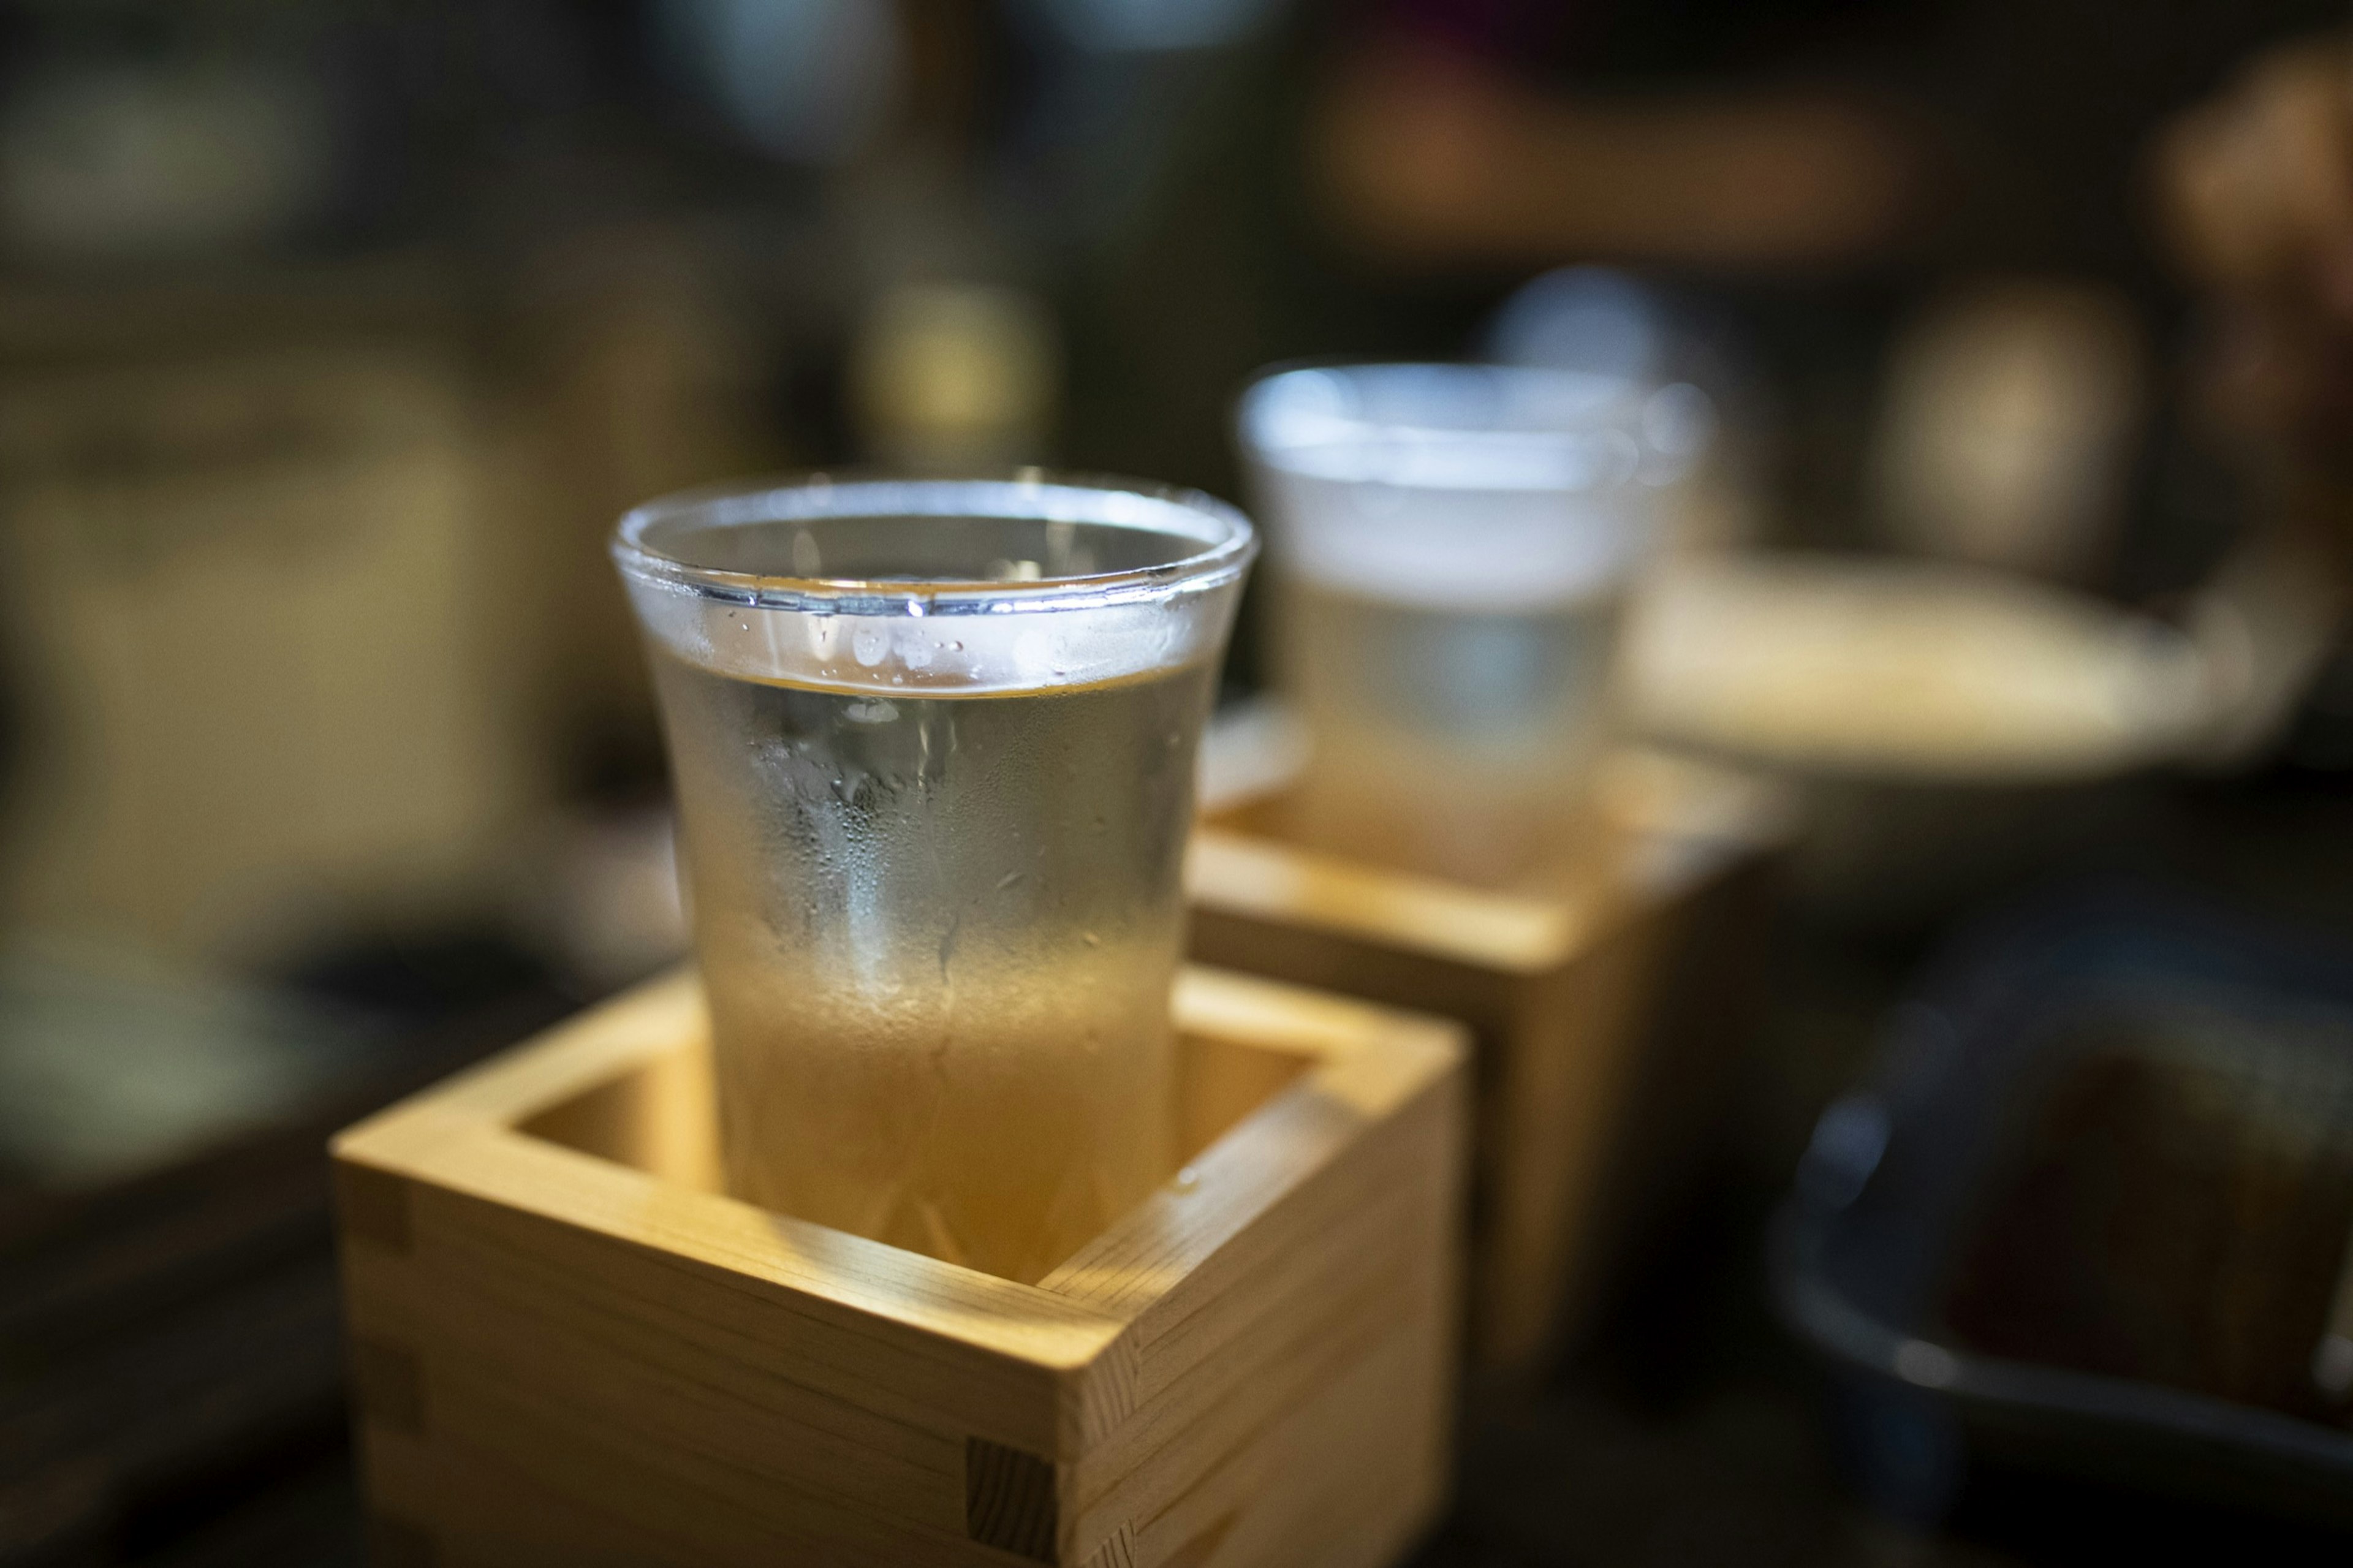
x=1607, y=1018
x=568, y=1347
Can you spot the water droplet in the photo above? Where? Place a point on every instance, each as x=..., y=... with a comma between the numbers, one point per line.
x=871, y=710
x=1090, y=939
x=1187, y=1179
x=868, y=644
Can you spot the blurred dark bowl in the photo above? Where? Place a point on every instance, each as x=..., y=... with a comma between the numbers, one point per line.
x=1891, y=1199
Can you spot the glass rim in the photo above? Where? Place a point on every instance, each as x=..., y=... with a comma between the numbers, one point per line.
x=1228, y=538
x=1249, y=411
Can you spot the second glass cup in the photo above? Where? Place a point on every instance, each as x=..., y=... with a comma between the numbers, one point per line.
x=933, y=749
x=1456, y=545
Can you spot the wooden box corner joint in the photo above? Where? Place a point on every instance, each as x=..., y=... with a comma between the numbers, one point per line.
x=569, y=1346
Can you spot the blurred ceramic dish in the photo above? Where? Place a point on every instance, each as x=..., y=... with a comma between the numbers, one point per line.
x=1868, y=1248
x=1957, y=728
x=1907, y=670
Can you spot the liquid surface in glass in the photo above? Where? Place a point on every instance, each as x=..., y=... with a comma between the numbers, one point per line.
x=938, y=933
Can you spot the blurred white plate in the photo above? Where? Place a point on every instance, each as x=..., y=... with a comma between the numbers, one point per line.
x=1909, y=669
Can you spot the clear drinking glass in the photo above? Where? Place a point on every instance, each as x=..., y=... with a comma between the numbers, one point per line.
x=1454, y=545
x=933, y=749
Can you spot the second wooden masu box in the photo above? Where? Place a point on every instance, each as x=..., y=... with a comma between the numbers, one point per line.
x=1608, y=1018
x=569, y=1347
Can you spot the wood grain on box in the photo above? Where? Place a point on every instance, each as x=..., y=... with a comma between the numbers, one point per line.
x=1605, y=1016
x=572, y=1348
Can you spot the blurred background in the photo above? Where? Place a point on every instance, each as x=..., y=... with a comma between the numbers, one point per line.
x=334, y=337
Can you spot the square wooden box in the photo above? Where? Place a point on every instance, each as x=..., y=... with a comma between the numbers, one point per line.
x=1605, y=1018
x=569, y=1347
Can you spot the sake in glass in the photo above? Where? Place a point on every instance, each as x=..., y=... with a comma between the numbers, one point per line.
x=1455, y=545
x=933, y=743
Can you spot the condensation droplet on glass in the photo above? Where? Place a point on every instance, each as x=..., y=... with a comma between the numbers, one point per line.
x=871, y=710
x=868, y=644
x=1187, y=1179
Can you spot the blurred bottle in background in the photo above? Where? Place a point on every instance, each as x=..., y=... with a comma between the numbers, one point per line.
x=809, y=82
x=255, y=599
x=115, y=156
x=955, y=378
x=2013, y=414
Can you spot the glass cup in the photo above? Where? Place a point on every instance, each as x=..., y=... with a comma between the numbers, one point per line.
x=1455, y=545
x=933, y=747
